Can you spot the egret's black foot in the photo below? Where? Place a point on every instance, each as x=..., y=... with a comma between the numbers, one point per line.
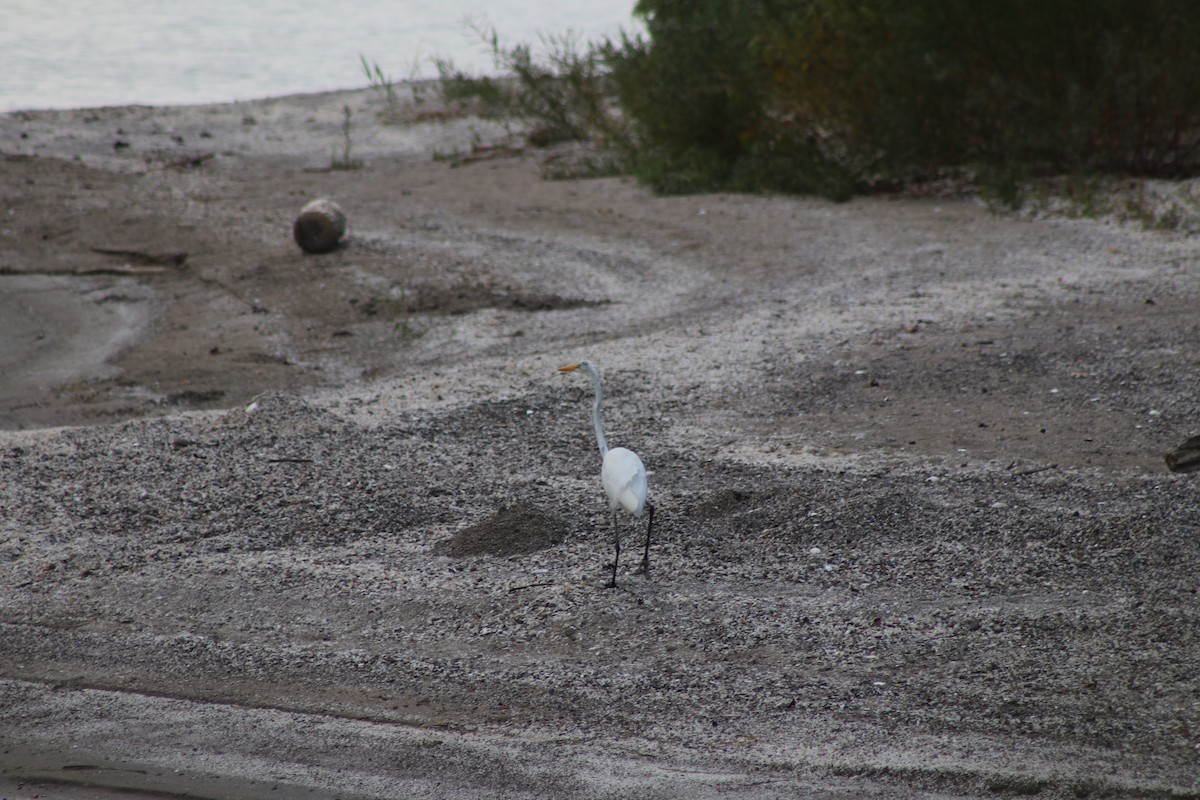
x=644, y=569
x=610, y=585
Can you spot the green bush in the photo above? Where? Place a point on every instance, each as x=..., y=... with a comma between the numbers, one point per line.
x=699, y=100
x=838, y=96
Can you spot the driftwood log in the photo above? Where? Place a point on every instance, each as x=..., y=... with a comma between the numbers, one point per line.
x=320, y=226
x=1186, y=457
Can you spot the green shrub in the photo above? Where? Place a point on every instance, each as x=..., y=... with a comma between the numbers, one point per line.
x=699, y=99
x=837, y=96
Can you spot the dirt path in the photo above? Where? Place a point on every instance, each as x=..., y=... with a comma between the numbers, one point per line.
x=916, y=536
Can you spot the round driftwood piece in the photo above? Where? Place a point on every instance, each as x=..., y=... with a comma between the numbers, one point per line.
x=319, y=227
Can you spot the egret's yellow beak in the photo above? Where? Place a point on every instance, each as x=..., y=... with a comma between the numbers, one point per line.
x=569, y=368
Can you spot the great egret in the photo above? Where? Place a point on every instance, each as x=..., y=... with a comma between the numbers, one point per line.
x=622, y=474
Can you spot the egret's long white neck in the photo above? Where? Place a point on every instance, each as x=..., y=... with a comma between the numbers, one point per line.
x=596, y=413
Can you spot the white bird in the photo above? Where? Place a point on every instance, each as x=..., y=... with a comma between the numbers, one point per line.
x=623, y=475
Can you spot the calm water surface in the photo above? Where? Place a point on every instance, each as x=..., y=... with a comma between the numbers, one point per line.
x=81, y=53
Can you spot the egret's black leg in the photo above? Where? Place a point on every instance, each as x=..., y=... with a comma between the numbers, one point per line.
x=645, y=568
x=612, y=584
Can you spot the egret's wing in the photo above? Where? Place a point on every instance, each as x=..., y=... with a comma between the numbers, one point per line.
x=624, y=480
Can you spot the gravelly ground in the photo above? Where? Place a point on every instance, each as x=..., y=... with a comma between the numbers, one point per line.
x=332, y=525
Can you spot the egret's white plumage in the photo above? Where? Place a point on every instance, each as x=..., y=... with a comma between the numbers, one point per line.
x=624, y=479
x=622, y=473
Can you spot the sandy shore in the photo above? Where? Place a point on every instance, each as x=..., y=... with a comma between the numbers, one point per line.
x=916, y=538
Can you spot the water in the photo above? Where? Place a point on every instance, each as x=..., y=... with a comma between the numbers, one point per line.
x=82, y=53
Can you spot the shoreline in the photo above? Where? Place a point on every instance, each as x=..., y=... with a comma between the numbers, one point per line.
x=166, y=106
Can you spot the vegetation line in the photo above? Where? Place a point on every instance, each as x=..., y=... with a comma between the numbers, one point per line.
x=838, y=99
